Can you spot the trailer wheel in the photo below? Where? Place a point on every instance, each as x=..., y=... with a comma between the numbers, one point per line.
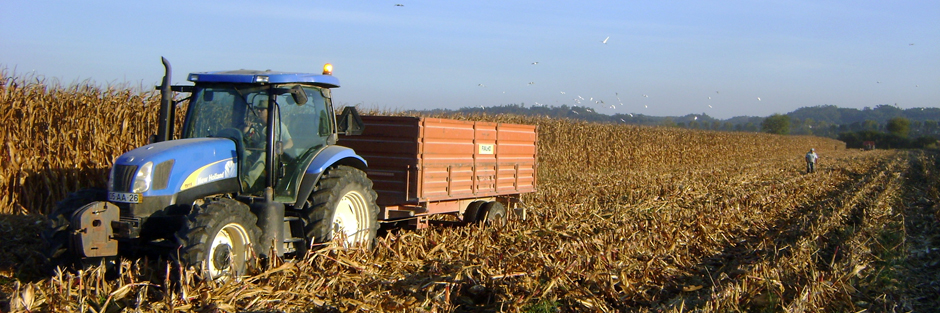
x=343, y=204
x=492, y=212
x=56, y=236
x=470, y=215
x=218, y=238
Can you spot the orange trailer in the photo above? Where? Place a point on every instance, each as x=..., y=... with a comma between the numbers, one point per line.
x=426, y=166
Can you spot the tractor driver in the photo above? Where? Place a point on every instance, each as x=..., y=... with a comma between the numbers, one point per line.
x=255, y=138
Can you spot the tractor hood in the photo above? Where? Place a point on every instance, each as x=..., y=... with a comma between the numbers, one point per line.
x=170, y=167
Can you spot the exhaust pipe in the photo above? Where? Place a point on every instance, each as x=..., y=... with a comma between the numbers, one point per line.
x=167, y=112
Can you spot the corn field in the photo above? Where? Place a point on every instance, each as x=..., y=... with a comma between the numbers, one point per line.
x=626, y=219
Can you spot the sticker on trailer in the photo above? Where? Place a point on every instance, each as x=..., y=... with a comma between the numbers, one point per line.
x=487, y=149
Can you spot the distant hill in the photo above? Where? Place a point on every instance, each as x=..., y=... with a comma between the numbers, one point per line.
x=822, y=120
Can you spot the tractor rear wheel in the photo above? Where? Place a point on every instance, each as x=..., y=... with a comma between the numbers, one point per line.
x=218, y=238
x=343, y=204
x=57, y=235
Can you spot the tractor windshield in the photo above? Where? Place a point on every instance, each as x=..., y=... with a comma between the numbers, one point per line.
x=215, y=108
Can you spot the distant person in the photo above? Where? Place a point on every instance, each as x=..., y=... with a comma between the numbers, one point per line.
x=811, y=158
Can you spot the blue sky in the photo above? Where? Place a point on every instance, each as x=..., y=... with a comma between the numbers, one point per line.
x=661, y=58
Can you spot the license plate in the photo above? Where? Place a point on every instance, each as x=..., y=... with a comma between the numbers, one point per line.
x=124, y=197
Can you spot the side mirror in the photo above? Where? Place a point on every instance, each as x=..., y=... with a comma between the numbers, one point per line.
x=349, y=123
x=299, y=95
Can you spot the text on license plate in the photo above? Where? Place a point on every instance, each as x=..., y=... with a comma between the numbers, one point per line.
x=125, y=197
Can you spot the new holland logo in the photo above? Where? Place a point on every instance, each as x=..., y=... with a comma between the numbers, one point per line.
x=215, y=171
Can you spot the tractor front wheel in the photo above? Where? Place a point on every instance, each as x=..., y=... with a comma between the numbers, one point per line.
x=218, y=238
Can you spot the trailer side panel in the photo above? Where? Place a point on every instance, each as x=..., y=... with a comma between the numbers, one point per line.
x=414, y=161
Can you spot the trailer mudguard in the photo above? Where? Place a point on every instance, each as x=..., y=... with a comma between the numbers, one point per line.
x=329, y=156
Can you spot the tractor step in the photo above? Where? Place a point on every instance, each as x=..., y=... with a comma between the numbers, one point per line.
x=293, y=240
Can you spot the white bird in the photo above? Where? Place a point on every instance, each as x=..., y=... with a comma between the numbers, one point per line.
x=645, y=96
x=709, y=106
x=646, y=106
x=605, y=40
x=481, y=85
x=709, y=98
x=695, y=118
x=575, y=112
x=534, y=63
x=531, y=83
x=758, y=98
x=625, y=121
x=631, y=114
x=562, y=92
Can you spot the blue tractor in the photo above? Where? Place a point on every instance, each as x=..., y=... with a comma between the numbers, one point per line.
x=256, y=172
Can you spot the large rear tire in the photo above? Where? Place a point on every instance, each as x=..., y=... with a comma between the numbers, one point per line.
x=343, y=204
x=218, y=238
x=57, y=236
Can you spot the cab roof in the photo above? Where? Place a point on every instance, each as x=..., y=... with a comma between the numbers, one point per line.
x=263, y=77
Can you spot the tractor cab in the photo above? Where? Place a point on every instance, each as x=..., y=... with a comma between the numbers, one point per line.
x=244, y=112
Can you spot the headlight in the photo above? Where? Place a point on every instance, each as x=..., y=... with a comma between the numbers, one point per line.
x=144, y=178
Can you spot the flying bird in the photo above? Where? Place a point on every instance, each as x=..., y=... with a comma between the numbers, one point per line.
x=534, y=63
x=481, y=85
x=399, y=5
x=758, y=98
x=605, y=40
x=645, y=96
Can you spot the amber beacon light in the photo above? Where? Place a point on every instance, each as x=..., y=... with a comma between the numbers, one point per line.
x=328, y=69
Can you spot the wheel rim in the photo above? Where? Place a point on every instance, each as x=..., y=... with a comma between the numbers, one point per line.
x=349, y=219
x=228, y=251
